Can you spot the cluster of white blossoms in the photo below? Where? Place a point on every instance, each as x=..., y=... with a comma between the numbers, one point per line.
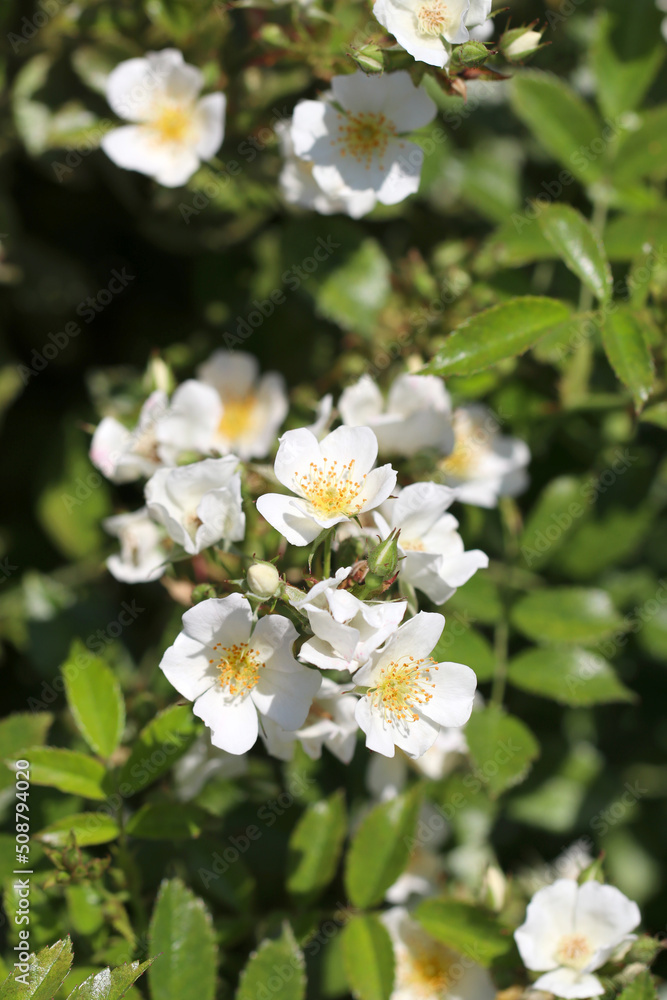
x=346, y=655
x=427, y=29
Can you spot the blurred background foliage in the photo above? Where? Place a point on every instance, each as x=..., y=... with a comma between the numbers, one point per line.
x=195, y=260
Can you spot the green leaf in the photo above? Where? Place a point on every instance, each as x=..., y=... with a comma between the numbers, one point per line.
x=95, y=699
x=353, y=294
x=467, y=929
x=641, y=988
x=566, y=614
x=517, y=242
x=562, y=122
x=501, y=747
x=46, y=973
x=315, y=846
x=460, y=643
x=182, y=938
x=276, y=968
x=560, y=506
x=502, y=332
x=627, y=54
x=477, y=600
x=161, y=821
x=579, y=247
x=381, y=848
x=629, y=354
x=643, y=152
x=626, y=236
x=89, y=829
x=160, y=744
x=569, y=675
x=66, y=770
x=110, y=984
x=17, y=731
x=368, y=956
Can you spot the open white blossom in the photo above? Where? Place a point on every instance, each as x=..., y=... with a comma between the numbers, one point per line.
x=424, y=27
x=333, y=480
x=252, y=407
x=198, y=504
x=330, y=723
x=416, y=415
x=435, y=561
x=355, y=137
x=348, y=630
x=172, y=129
x=232, y=672
x=299, y=187
x=190, y=423
x=142, y=556
x=409, y=695
x=484, y=464
x=123, y=455
x=570, y=931
x=426, y=969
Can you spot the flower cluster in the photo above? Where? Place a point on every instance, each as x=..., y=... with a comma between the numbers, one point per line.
x=353, y=651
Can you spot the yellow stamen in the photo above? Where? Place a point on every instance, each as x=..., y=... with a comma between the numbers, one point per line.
x=425, y=970
x=433, y=17
x=331, y=489
x=574, y=951
x=364, y=136
x=172, y=124
x=238, y=416
x=239, y=667
x=403, y=688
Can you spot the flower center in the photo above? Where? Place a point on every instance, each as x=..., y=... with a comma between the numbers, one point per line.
x=403, y=688
x=364, y=136
x=425, y=971
x=469, y=447
x=574, y=951
x=237, y=416
x=239, y=667
x=172, y=124
x=332, y=489
x=412, y=545
x=432, y=17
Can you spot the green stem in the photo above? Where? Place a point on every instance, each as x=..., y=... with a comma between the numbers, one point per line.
x=326, y=558
x=500, y=674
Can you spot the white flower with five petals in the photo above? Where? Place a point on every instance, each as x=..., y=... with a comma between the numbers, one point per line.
x=424, y=27
x=198, y=504
x=330, y=723
x=355, y=138
x=251, y=408
x=570, y=931
x=233, y=673
x=484, y=464
x=434, y=560
x=142, y=556
x=416, y=415
x=172, y=129
x=409, y=695
x=333, y=480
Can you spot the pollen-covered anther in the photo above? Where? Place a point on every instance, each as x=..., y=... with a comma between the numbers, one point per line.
x=332, y=489
x=365, y=135
x=239, y=666
x=404, y=686
x=432, y=17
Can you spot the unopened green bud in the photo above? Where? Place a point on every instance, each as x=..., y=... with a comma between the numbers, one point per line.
x=383, y=559
x=471, y=53
x=645, y=949
x=594, y=872
x=263, y=579
x=273, y=34
x=203, y=592
x=369, y=58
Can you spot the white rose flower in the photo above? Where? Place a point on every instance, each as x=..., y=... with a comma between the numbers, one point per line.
x=417, y=414
x=423, y=27
x=570, y=931
x=484, y=464
x=232, y=672
x=348, y=630
x=429, y=970
x=198, y=504
x=142, y=557
x=253, y=408
x=190, y=422
x=123, y=455
x=299, y=187
x=355, y=140
x=434, y=558
x=333, y=479
x=173, y=129
x=410, y=696
x=316, y=596
x=330, y=723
